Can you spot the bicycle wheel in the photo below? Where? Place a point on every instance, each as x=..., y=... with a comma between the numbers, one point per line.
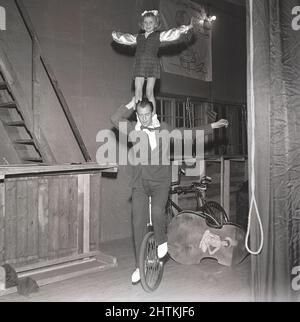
x=169, y=213
x=151, y=267
x=215, y=210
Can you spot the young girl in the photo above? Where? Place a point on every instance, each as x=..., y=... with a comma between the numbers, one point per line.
x=146, y=65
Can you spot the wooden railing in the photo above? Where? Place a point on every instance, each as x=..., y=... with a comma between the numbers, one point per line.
x=48, y=212
x=50, y=220
x=38, y=58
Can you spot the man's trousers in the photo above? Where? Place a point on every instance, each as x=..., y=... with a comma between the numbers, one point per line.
x=140, y=211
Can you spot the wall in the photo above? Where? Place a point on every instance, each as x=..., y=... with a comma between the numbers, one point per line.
x=228, y=56
x=17, y=46
x=96, y=76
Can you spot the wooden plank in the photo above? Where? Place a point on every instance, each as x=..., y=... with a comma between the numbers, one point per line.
x=73, y=212
x=2, y=278
x=222, y=182
x=57, y=261
x=246, y=171
x=43, y=217
x=100, y=212
x=26, y=19
x=11, y=170
x=22, y=213
x=86, y=213
x=10, y=221
x=36, y=97
x=63, y=208
x=95, y=215
x=56, y=267
x=2, y=222
x=80, y=213
x=33, y=220
x=71, y=272
x=65, y=107
x=226, y=188
x=54, y=190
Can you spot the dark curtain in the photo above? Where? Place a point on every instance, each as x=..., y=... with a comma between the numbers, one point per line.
x=276, y=93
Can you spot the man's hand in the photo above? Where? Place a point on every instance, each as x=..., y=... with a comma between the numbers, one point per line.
x=131, y=104
x=116, y=34
x=194, y=22
x=219, y=124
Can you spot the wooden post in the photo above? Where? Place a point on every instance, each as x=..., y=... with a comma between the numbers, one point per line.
x=226, y=187
x=222, y=181
x=86, y=213
x=36, y=54
x=2, y=278
x=2, y=221
x=80, y=208
x=246, y=176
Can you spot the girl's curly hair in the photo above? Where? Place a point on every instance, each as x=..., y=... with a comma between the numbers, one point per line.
x=150, y=14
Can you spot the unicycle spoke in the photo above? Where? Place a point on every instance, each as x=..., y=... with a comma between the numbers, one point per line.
x=152, y=274
x=150, y=266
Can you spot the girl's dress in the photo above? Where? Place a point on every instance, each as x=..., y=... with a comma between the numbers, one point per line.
x=146, y=58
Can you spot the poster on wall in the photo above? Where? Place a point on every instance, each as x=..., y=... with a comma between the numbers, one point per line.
x=193, y=58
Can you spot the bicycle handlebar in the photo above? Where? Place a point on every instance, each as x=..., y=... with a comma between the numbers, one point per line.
x=194, y=187
x=182, y=190
x=204, y=180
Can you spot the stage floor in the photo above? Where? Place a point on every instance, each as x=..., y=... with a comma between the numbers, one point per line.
x=206, y=282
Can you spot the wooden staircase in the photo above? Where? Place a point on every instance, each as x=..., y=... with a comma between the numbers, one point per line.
x=14, y=123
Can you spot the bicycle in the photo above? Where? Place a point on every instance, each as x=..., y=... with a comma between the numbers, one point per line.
x=214, y=213
x=192, y=235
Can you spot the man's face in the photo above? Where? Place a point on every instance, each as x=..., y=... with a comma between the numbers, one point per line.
x=145, y=115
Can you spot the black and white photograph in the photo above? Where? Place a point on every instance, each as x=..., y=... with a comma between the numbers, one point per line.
x=149, y=153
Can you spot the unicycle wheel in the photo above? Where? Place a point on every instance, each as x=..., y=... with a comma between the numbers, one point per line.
x=151, y=267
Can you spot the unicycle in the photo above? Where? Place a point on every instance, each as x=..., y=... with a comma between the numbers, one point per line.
x=151, y=267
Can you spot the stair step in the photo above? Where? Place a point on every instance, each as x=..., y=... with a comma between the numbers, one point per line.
x=37, y=160
x=15, y=123
x=3, y=85
x=8, y=105
x=25, y=142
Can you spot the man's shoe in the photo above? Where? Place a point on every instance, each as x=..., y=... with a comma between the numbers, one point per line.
x=135, y=277
x=162, y=250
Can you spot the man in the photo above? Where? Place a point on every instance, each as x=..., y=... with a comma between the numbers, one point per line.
x=150, y=179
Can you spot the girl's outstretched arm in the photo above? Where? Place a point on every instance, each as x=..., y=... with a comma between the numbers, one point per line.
x=174, y=34
x=124, y=39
